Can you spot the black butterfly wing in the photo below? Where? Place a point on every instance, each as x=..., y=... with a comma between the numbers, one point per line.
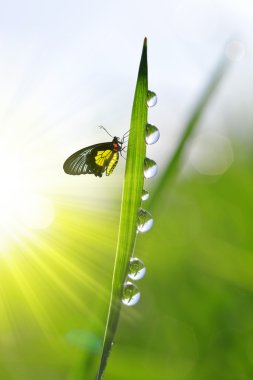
x=91, y=160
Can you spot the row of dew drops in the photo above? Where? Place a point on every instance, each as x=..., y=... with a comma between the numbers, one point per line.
x=137, y=269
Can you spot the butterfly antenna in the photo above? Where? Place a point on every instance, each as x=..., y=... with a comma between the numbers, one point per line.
x=126, y=133
x=101, y=127
x=125, y=136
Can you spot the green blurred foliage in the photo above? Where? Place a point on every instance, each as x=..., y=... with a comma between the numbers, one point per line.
x=194, y=320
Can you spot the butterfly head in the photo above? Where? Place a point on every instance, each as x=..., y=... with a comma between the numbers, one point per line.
x=117, y=144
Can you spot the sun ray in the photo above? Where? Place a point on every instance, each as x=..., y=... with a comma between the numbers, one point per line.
x=32, y=300
x=60, y=285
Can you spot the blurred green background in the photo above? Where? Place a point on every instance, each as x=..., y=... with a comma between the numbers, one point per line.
x=194, y=319
x=66, y=68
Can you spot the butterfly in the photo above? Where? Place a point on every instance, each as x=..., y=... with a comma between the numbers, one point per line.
x=95, y=159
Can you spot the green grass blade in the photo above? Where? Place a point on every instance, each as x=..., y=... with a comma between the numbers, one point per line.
x=131, y=201
x=173, y=165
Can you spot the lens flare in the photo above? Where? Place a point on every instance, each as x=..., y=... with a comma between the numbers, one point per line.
x=22, y=204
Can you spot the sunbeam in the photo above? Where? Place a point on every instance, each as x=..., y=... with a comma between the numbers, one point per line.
x=22, y=204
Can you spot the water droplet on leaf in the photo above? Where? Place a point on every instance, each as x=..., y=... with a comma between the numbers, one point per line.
x=131, y=294
x=150, y=168
x=136, y=269
x=144, y=221
x=151, y=99
x=145, y=195
x=152, y=134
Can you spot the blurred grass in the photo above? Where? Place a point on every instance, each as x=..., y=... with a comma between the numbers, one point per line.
x=173, y=165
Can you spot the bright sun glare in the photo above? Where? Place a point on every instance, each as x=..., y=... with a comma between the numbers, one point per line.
x=22, y=204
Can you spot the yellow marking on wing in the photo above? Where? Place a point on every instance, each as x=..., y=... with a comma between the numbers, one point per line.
x=102, y=156
x=113, y=162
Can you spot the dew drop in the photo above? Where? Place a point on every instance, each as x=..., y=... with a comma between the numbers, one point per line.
x=136, y=269
x=151, y=99
x=152, y=134
x=145, y=195
x=150, y=168
x=144, y=221
x=131, y=294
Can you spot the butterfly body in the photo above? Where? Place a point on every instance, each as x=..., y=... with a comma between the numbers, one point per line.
x=95, y=159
